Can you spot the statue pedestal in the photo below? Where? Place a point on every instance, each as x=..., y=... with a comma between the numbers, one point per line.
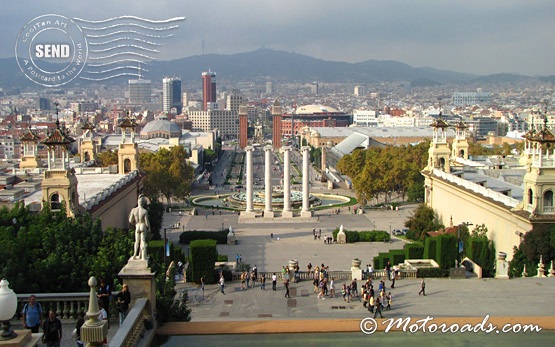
x=140, y=279
x=24, y=338
x=287, y=214
x=341, y=237
x=231, y=239
x=502, y=266
x=306, y=214
x=356, y=273
x=268, y=214
x=248, y=214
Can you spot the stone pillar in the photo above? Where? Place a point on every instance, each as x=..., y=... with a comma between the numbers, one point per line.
x=249, y=211
x=306, y=194
x=323, y=167
x=287, y=213
x=268, y=213
x=141, y=282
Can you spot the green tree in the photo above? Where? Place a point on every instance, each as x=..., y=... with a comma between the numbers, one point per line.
x=424, y=219
x=114, y=251
x=107, y=158
x=167, y=173
x=540, y=241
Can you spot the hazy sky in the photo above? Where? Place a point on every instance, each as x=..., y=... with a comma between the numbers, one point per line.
x=481, y=37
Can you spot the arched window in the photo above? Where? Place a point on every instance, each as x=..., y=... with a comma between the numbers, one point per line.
x=530, y=197
x=548, y=199
x=442, y=164
x=127, y=165
x=55, y=203
x=461, y=153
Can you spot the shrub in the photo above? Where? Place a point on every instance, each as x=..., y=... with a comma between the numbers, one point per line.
x=363, y=236
x=447, y=250
x=398, y=256
x=222, y=257
x=203, y=259
x=432, y=272
x=430, y=248
x=413, y=251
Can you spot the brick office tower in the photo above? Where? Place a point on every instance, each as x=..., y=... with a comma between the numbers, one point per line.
x=276, y=117
x=208, y=89
x=243, y=124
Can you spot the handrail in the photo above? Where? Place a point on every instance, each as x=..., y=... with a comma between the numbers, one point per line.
x=132, y=328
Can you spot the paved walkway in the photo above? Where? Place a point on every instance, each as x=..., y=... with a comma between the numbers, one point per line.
x=445, y=297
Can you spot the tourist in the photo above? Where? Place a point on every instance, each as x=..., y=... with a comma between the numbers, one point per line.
x=77, y=330
x=243, y=279
x=371, y=303
x=389, y=298
x=378, y=308
x=222, y=284
x=123, y=299
x=388, y=269
x=32, y=315
x=422, y=287
x=104, y=294
x=52, y=329
x=287, y=288
x=247, y=278
x=263, y=282
x=354, y=288
x=344, y=291
x=202, y=286
x=332, y=288
x=274, y=281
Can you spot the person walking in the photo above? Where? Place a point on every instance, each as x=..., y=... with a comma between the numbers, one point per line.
x=263, y=282
x=222, y=284
x=287, y=288
x=32, y=315
x=52, y=330
x=274, y=281
x=422, y=287
x=202, y=286
x=378, y=308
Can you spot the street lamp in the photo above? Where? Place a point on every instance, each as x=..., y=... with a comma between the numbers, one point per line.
x=459, y=242
x=8, y=306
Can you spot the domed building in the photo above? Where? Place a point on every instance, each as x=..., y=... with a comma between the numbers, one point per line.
x=160, y=128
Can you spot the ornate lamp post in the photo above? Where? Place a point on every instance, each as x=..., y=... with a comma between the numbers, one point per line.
x=8, y=306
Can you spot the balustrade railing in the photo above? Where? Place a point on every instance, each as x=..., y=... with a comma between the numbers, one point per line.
x=133, y=327
x=337, y=275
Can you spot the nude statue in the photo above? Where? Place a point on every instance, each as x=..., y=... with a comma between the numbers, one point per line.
x=139, y=217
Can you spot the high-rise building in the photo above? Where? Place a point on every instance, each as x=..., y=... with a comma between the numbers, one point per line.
x=234, y=100
x=139, y=91
x=208, y=89
x=171, y=94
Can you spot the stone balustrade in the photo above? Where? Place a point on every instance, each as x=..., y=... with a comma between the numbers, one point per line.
x=132, y=330
x=337, y=275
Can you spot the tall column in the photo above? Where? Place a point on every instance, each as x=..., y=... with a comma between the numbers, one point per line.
x=323, y=164
x=268, y=213
x=249, y=193
x=305, y=209
x=287, y=213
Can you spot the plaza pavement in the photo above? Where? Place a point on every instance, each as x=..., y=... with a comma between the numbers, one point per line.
x=447, y=299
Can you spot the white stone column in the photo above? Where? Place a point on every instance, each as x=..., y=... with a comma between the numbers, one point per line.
x=306, y=194
x=268, y=213
x=287, y=213
x=249, y=211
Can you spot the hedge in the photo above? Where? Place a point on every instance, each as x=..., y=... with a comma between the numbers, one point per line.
x=155, y=250
x=203, y=259
x=447, y=250
x=363, y=236
x=398, y=256
x=432, y=272
x=188, y=236
x=381, y=260
x=430, y=248
x=413, y=251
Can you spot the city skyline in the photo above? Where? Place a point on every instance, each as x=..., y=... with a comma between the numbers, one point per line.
x=471, y=37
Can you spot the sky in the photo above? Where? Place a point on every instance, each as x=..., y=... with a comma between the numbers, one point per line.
x=472, y=36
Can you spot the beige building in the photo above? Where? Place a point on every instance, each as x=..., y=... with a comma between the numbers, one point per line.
x=508, y=195
x=225, y=121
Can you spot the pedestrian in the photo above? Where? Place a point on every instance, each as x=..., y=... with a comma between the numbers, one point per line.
x=393, y=279
x=32, y=315
x=77, y=330
x=104, y=294
x=263, y=282
x=222, y=284
x=422, y=287
x=371, y=303
x=52, y=329
x=202, y=286
x=287, y=288
x=123, y=299
x=247, y=278
x=389, y=298
x=274, y=281
x=378, y=308
x=314, y=233
x=388, y=269
x=332, y=288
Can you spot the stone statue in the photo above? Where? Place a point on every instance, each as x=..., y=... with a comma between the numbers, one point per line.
x=341, y=228
x=139, y=217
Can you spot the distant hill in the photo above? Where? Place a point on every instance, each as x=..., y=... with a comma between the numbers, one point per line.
x=267, y=64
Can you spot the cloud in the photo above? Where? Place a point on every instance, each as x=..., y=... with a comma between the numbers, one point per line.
x=468, y=36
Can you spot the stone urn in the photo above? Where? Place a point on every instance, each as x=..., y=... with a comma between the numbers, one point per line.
x=356, y=263
x=293, y=264
x=501, y=256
